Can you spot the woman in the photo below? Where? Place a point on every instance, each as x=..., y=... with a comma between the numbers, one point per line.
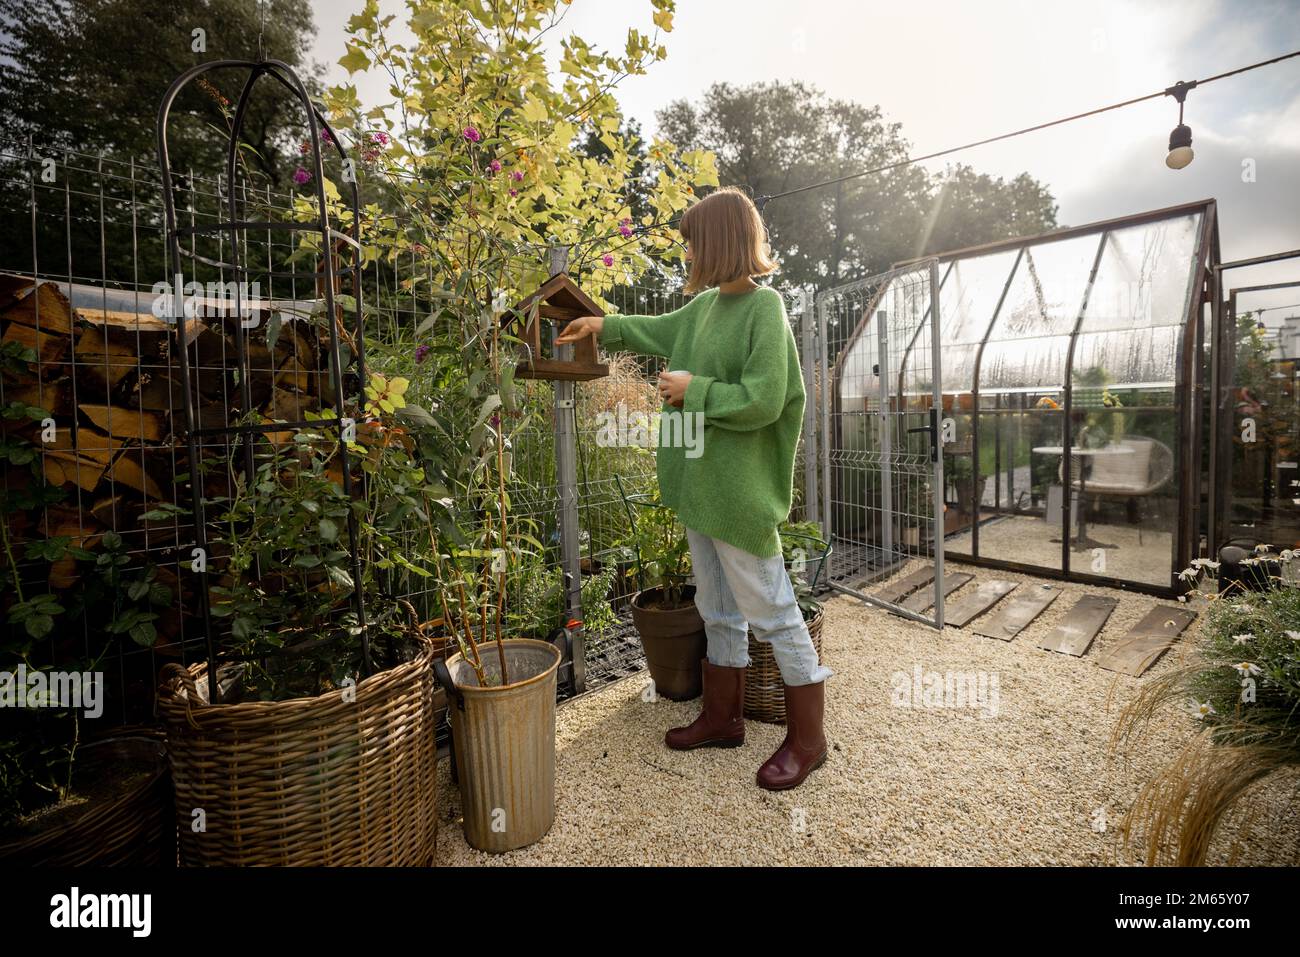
x=733, y=367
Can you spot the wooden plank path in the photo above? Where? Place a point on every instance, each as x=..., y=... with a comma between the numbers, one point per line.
x=1013, y=616
x=966, y=609
x=1147, y=640
x=896, y=591
x=923, y=600
x=1080, y=626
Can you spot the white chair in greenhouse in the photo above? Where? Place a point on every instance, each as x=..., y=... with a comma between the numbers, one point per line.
x=1129, y=468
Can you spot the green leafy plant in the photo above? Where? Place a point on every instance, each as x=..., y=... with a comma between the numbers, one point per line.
x=112, y=599
x=537, y=598
x=661, y=552
x=805, y=552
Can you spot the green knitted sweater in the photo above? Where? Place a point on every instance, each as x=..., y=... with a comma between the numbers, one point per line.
x=725, y=459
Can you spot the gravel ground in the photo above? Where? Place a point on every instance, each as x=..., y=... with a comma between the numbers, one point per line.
x=1023, y=783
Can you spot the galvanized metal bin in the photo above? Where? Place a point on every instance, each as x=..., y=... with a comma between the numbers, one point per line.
x=504, y=743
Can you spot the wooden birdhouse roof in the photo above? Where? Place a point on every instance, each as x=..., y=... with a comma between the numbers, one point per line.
x=560, y=290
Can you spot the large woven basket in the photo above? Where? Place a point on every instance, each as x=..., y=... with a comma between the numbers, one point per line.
x=310, y=781
x=764, y=689
x=133, y=829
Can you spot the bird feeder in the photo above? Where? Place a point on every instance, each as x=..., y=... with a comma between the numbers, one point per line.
x=547, y=311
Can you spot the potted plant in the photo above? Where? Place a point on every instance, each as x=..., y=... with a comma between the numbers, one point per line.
x=663, y=609
x=959, y=469
x=315, y=745
x=501, y=688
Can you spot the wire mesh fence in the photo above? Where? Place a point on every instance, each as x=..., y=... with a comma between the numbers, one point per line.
x=880, y=427
x=83, y=252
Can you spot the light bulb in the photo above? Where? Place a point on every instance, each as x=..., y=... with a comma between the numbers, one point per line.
x=1179, y=157
x=1180, y=147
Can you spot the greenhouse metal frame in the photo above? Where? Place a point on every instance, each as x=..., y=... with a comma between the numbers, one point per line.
x=1083, y=339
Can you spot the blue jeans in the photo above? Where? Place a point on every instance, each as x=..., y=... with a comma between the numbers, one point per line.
x=736, y=590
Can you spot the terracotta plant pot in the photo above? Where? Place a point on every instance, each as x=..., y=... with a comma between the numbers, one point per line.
x=674, y=642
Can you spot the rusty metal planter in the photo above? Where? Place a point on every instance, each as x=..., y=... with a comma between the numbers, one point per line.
x=504, y=743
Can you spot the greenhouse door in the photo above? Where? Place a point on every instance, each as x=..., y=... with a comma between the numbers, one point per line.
x=883, y=426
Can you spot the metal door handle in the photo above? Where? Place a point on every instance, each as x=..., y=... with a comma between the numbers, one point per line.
x=933, y=429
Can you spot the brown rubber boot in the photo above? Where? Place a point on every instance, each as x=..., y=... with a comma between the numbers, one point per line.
x=804, y=747
x=721, y=723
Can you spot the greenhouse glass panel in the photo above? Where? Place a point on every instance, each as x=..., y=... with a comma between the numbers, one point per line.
x=1144, y=277
x=1124, y=483
x=968, y=299
x=1022, y=371
x=859, y=384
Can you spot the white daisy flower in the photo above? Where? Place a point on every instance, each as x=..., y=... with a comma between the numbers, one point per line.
x=1203, y=709
x=1242, y=638
x=1247, y=669
x=1263, y=549
x=1293, y=635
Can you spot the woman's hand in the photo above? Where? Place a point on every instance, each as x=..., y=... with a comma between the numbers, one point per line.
x=580, y=327
x=672, y=386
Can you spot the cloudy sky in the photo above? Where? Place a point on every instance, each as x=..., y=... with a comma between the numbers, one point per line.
x=954, y=71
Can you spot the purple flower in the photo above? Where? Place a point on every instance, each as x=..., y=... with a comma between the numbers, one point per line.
x=379, y=137
x=421, y=352
x=301, y=176
x=625, y=231
x=514, y=192
x=517, y=175
x=495, y=166
x=325, y=136
x=471, y=134
x=496, y=420
x=607, y=259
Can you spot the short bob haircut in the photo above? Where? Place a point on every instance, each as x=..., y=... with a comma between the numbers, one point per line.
x=729, y=237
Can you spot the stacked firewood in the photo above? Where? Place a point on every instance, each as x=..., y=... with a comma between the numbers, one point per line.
x=110, y=382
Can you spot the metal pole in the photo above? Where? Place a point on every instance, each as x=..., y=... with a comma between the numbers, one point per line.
x=1216, y=410
x=886, y=436
x=936, y=442
x=807, y=357
x=823, y=351
x=566, y=464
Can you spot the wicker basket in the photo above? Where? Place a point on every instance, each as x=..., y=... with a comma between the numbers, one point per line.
x=764, y=689
x=309, y=781
x=134, y=829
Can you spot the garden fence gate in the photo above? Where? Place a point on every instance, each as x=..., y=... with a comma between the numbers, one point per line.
x=881, y=428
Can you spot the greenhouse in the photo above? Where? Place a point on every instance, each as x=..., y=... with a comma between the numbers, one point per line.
x=1083, y=339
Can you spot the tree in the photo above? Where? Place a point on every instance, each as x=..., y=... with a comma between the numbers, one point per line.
x=973, y=208
x=773, y=137
x=89, y=74
x=482, y=145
